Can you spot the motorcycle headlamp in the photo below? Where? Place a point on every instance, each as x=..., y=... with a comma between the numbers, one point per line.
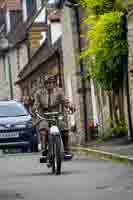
x=60, y=117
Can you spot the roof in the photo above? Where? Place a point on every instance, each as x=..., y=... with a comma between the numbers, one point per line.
x=43, y=54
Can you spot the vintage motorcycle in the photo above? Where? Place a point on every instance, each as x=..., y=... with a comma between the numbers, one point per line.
x=56, y=152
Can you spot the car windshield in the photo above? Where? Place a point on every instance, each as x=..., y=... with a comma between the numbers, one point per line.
x=12, y=110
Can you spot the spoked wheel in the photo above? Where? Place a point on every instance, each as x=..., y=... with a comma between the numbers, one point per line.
x=53, y=164
x=56, y=158
x=56, y=165
x=58, y=169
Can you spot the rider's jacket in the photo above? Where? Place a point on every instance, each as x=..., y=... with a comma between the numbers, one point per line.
x=45, y=101
x=49, y=102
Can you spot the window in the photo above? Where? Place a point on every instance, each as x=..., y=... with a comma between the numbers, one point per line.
x=12, y=110
x=15, y=17
x=31, y=7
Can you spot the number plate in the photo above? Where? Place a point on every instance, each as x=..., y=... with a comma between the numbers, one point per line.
x=9, y=135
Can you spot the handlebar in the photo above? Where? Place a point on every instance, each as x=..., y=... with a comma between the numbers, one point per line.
x=51, y=113
x=47, y=119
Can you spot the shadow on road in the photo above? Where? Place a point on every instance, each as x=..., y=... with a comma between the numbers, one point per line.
x=10, y=195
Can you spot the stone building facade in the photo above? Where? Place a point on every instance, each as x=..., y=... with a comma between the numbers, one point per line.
x=78, y=90
x=14, y=21
x=91, y=101
x=45, y=60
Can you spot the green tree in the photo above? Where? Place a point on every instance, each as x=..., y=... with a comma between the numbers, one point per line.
x=105, y=43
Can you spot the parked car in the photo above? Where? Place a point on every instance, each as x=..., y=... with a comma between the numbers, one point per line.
x=16, y=128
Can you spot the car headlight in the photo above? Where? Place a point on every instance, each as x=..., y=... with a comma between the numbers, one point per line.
x=2, y=127
x=22, y=125
x=29, y=124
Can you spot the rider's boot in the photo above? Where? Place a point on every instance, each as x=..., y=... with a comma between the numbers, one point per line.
x=45, y=151
x=58, y=173
x=49, y=163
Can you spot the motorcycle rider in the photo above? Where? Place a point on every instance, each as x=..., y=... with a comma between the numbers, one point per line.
x=49, y=98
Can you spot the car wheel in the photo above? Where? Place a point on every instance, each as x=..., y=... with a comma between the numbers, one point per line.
x=34, y=147
x=25, y=150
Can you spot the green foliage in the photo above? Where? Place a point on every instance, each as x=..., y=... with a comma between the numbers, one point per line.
x=97, y=7
x=106, y=44
x=107, y=48
x=130, y=2
x=118, y=129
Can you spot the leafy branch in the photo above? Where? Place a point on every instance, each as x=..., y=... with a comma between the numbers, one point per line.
x=106, y=44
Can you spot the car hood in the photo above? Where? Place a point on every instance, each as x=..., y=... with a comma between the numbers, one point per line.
x=14, y=120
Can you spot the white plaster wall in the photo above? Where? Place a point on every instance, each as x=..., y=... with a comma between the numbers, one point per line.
x=4, y=83
x=56, y=31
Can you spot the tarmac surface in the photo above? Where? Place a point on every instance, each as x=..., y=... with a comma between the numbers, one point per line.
x=23, y=177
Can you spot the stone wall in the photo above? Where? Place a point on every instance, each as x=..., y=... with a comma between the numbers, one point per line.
x=45, y=61
x=73, y=85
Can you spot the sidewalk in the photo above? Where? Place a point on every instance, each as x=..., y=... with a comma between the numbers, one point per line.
x=117, y=149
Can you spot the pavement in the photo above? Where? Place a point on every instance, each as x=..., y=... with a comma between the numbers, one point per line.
x=23, y=177
x=120, y=150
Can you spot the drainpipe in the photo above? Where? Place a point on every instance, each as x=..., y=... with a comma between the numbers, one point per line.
x=82, y=73
x=59, y=69
x=28, y=46
x=126, y=81
x=10, y=76
x=49, y=37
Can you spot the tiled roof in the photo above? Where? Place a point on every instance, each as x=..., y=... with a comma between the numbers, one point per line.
x=42, y=55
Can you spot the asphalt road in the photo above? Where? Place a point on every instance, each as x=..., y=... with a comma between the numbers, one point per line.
x=22, y=177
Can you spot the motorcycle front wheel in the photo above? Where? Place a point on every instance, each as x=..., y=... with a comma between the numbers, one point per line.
x=56, y=158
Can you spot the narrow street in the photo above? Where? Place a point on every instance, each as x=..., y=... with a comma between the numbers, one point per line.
x=22, y=177
x=66, y=71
